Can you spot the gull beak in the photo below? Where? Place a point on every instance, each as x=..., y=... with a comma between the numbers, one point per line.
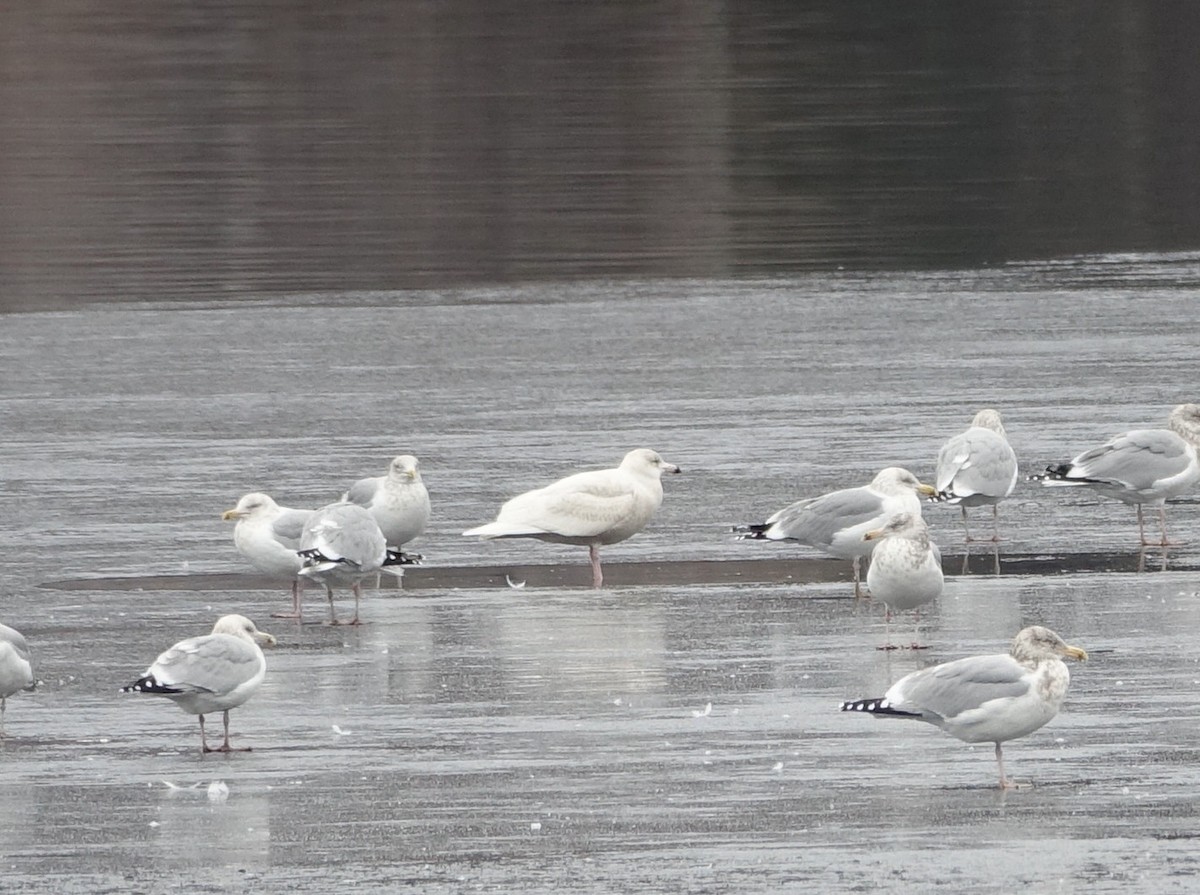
x=927, y=490
x=265, y=639
x=1074, y=652
x=231, y=515
x=873, y=534
x=671, y=467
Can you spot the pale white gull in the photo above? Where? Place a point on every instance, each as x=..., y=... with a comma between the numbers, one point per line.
x=341, y=544
x=1142, y=467
x=213, y=673
x=268, y=536
x=16, y=670
x=985, y=699
x=590, y=509
x=906, y=568
x=976, y=468
x=836, y=522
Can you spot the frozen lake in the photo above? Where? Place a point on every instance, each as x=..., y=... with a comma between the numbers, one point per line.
x=269, y=247
x=674, y=732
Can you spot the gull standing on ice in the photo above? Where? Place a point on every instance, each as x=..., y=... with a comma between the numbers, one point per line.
x=836, y=522
x=906, y=568
x=985, y=699
x=16, y=671
x=268, y=535
x=398, y=501
x=590, y=509
x=341, y=544
x=977, y=467
x=1145, y=466
x=213, y=673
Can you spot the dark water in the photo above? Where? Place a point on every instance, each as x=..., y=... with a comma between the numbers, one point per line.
x=177, y=151
x=272, y=248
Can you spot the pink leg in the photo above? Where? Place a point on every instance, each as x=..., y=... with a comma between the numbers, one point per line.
x=887, y=629
x=857, y=566
x=297, y=590
x=1141, y=527
x=357, y=588
x=203, y=742
x=1005, y=783
x=966, y=529
x=225, y=746
x=995, y=523
x=332, y=615
x=597, y=575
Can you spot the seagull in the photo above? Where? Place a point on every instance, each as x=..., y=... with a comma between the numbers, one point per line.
x=1145, y=466
x=906, y=567
x=836, y=522
x=590, y=509
x=341, y=544
x=398, y=501
x=268, y=535
x=213, y=673
x=16, y=671
x=985, y=699
x=977, y=467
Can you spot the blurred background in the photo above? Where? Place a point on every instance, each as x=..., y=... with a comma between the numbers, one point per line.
x=179, y=150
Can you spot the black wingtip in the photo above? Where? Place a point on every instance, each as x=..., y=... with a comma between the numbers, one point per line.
x=315, y=557
x=755, y=532
x=399, y=558
x=1057, y=472
x=149, y=684
x=875, y=706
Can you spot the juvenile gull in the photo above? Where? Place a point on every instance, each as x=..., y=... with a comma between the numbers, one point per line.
x=977, y=467
x=590, y=509
x=985, y=699
x=1145, y=466
x=836, y=522
x=213, y=673
x=341, y=544
x=16, y=671
x=906, y=567
x=398, y=501
x=268, y=535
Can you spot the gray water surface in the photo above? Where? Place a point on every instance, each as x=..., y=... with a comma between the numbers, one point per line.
x=656, y=735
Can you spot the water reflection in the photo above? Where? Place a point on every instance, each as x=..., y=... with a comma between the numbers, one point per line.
x=176, y=152
x=203, y=826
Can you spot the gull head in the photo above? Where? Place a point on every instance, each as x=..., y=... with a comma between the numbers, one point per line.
x=988, y=419
x=644, y=460
x=249, y=505
x=1185, y=422
x=896, y=480
x=240, y=626
x=405, y=468
x=899, y=524
x=1035, y=643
